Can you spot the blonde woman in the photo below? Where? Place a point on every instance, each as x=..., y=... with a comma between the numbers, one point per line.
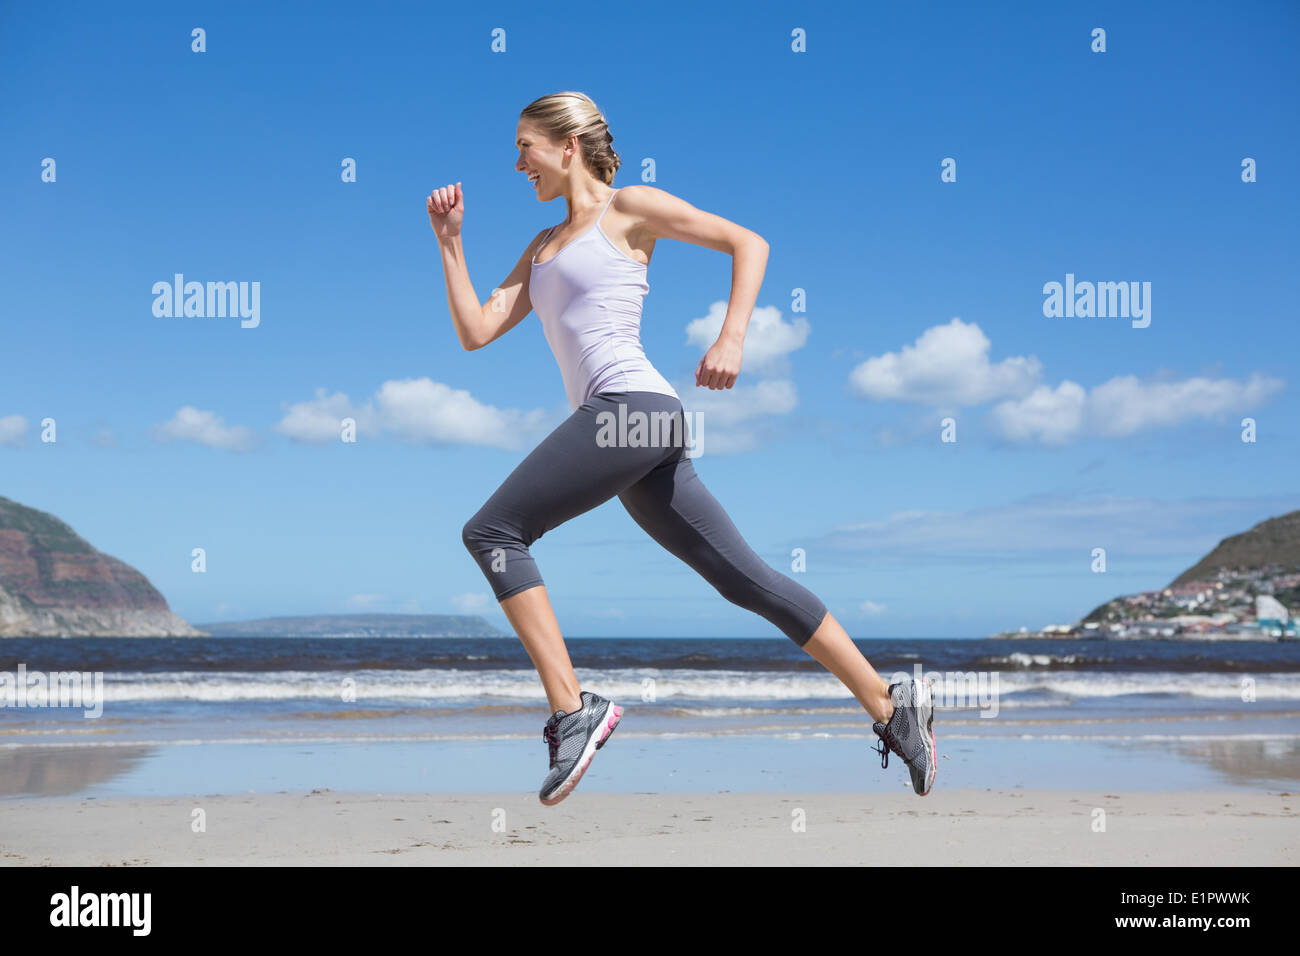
x=586, y=279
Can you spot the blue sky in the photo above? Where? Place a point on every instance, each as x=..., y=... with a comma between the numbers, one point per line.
x=924, y=298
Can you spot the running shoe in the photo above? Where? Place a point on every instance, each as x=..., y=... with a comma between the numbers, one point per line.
x=910, y=733
x=573, y=740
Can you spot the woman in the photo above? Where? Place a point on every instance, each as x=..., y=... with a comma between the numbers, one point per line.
x=586, y=279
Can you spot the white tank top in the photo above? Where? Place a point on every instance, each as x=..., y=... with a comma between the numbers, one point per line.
x=588, y=296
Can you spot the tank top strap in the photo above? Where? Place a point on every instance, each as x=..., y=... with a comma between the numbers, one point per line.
x=542, y=245
x=607, y=202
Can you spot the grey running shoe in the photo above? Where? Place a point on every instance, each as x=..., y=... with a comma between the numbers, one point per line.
x=573, y=740
x=909, y=732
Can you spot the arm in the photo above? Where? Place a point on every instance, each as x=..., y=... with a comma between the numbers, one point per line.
x=476, y=324
x=662, y=215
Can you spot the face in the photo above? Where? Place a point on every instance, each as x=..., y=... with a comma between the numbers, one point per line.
x=539, y=159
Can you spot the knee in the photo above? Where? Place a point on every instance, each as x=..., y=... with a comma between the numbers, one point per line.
x=474, y=533
x=484, y=532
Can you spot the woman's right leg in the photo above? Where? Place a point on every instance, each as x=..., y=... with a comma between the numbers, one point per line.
x=567, y=474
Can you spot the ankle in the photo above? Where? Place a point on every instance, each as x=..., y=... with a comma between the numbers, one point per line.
x=885, y=704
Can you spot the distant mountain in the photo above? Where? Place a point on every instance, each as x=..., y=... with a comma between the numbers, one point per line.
x=54, y=584
x=1275, y=542
x=1217, y=595
x=358, y=625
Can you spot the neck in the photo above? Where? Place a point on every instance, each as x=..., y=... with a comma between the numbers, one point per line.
x=585, y=198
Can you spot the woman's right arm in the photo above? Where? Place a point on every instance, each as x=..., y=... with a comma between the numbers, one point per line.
x=476, y=324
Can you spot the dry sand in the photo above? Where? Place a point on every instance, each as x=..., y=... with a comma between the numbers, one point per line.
x=967, y=828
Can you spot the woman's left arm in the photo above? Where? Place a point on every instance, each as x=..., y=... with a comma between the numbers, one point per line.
x=663, y=215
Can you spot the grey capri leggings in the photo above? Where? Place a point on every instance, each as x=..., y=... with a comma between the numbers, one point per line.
x=575, y=469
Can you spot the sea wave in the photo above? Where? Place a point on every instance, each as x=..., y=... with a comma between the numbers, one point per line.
x=1277, y=743
x=719, y=688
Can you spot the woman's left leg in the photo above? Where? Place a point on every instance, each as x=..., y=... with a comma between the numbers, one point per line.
x=674, y=507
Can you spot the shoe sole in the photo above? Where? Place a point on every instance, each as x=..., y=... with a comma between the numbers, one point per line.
x=613, y=714
x=934, y=747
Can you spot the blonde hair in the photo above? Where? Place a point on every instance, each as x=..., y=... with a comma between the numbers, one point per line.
x=561, y=115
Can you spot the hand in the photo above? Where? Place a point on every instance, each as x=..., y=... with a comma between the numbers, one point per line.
x=720, y=365
x=446, y=211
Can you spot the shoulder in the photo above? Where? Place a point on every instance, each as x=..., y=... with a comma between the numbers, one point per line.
x=640, y=197
x=650, y=205
x=539, y=238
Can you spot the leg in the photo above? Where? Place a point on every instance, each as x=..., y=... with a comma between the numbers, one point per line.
x=674, y=507
x=833, y=649
x=567, y=474
x=533, y=619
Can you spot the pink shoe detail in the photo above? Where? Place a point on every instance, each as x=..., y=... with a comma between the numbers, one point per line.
x=616, y=712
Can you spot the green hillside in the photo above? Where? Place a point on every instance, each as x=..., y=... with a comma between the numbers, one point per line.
x=1272, y=542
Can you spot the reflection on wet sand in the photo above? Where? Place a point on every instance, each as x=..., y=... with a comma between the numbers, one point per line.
x=58, y=771
x=1239, y=760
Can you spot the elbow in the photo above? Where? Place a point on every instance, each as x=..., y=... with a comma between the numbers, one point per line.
x=467, y=339
x=757, y=242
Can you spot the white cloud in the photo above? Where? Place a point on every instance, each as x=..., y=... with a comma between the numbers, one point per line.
x=471, y=603
x=1124, y=405
x=742, y=403
x=947, y=365
x=729, y=420
x=616, y=612
x=1053, y=416
x=768, y=338
x=204, y=428
x=735, y=419
x=321, y=419
x=416, y=410
x=1055, y=527
x=366, y=600
x=12, y=429
x=423, y=410
x=871, y=607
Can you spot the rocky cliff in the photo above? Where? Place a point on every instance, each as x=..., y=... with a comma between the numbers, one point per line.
x=54, y=584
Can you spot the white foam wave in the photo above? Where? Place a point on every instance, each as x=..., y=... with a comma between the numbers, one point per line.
x=727, y=690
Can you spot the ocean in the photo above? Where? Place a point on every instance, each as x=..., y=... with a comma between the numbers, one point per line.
x=221, y=715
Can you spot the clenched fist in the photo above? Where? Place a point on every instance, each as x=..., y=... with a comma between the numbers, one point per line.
x=446, y=211
x=720, y=365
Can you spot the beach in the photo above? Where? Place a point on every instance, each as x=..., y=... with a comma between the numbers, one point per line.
x=362, y=751
x=958, y=827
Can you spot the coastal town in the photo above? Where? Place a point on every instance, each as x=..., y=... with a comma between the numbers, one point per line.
x=1251, y=604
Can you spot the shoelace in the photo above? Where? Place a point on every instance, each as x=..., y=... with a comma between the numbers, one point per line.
x=552, y=739
x=887, y=743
